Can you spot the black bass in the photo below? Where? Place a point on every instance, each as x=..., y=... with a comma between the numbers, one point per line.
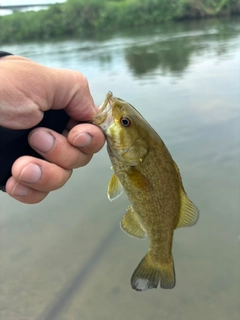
x=151, y=179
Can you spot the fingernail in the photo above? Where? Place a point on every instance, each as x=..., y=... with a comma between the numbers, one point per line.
x=20, y=190
x=31, y=173
x=42, y=141
x=82, y=140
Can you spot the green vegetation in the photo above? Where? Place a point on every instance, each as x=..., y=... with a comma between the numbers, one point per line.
x=81, y=17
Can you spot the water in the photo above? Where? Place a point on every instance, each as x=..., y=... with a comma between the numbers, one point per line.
x=66, y=258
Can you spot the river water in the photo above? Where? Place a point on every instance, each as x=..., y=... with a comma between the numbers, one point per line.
x=66, y=258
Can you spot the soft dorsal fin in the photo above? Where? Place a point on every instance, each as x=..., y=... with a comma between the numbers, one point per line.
x=131, y=224
x=115, y=188
x=189, y=213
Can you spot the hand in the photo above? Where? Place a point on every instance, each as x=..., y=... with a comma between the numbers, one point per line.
x=27, y=89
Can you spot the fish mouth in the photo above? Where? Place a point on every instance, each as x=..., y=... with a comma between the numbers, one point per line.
x=103, y=118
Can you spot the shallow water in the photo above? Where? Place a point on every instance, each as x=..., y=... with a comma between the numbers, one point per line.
x=66, y=258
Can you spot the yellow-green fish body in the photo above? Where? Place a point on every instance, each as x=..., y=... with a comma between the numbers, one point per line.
x=144, y=167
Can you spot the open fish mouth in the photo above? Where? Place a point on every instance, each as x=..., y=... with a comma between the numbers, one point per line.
x=104, y=118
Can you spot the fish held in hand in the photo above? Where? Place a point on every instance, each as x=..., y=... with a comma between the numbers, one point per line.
x=144, y=168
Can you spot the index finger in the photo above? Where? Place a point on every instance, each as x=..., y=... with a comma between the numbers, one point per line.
x=72, y=94
x=38, y=88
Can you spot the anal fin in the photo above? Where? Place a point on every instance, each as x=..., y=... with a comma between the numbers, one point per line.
x=131, y=224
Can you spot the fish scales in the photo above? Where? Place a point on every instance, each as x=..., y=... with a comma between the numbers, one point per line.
x=151, y=179
x=153, y=208
x=148, y=204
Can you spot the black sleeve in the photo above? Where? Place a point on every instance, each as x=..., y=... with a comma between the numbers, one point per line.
x=14, y=143
x=3, y=54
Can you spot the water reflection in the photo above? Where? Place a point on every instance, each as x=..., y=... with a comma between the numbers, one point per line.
x=174, y=55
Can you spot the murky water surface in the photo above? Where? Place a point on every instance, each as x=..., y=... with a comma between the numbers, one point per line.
x=66, y=258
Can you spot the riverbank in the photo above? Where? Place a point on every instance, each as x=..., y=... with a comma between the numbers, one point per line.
x=75, y=18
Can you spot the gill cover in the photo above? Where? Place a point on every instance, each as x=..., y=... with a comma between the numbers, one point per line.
x=124, y=135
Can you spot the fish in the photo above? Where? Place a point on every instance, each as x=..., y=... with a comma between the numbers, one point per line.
x=143, y=167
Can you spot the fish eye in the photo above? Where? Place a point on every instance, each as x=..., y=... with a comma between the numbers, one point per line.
x=125, y=121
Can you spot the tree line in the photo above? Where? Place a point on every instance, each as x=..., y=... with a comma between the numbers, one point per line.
x=75, y=18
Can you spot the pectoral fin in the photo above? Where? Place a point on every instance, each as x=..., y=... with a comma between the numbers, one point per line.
x=131, y=224
x=189, y=213
x=138, y=179
x=115, y=188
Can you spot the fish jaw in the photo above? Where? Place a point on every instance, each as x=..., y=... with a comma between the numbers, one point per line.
x=106, y=119
x=123, y=143
x=103, y=118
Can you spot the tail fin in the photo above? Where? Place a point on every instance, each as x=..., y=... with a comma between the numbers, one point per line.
x=148, y=274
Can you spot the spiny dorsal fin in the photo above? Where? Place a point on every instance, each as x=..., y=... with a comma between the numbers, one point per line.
x=131, y=224
x=115, y=188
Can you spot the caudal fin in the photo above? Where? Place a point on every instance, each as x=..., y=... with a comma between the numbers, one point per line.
x=148, y=274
